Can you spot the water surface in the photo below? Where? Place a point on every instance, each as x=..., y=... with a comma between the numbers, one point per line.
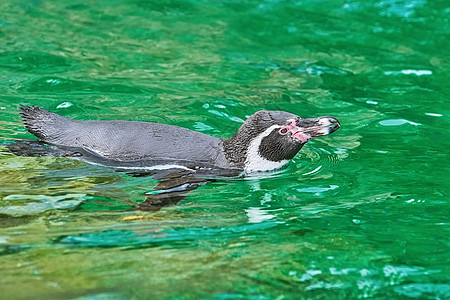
x=362, y=213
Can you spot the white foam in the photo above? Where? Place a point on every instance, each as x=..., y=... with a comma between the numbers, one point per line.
x=258, y=215
x=397, y=122
x=433, y=115
x=409, y=72
x=313, y=171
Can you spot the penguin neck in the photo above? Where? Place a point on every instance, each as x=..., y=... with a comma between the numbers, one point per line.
x=236, y=148
x=242, y=149
x=254, y=161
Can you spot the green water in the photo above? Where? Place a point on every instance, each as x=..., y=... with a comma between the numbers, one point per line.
x=362, y=213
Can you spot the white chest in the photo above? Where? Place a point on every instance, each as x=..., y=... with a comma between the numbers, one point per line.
x=254, y=161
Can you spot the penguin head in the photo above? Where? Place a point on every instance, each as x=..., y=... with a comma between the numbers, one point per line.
x=269, y=139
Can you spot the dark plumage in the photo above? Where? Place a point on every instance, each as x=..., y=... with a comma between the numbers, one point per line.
x=267, y=140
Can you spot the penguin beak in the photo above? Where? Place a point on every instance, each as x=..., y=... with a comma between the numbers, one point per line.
x=307, y=129
x=325, y=125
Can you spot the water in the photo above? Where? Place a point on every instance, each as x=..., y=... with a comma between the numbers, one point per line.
x=362, y=213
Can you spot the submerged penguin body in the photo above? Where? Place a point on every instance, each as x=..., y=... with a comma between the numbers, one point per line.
x=266, y=141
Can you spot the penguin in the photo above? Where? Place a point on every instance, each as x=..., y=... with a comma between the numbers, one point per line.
x=266, y=141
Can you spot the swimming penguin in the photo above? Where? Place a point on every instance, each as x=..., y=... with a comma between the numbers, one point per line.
x=266, y=141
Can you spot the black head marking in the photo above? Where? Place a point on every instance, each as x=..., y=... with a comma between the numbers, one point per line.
x=288, y=135
x=278, y=147
x=236, y=147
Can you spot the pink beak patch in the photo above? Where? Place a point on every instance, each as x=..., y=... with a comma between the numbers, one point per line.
x=297, y=132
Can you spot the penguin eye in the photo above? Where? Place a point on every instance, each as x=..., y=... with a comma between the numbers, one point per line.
x=283, y=131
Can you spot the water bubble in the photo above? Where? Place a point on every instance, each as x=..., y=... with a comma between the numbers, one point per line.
x=397, y=122
x=64, y=105
x=409, y=72
x=433, y=115
x=53, y=81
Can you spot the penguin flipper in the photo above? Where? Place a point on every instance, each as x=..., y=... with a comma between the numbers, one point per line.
x=171, y=189
x=36, y=148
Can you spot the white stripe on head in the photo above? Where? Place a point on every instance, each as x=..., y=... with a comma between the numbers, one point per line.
x=254, y=161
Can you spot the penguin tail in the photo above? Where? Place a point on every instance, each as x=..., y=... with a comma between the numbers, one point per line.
x=41, y=122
